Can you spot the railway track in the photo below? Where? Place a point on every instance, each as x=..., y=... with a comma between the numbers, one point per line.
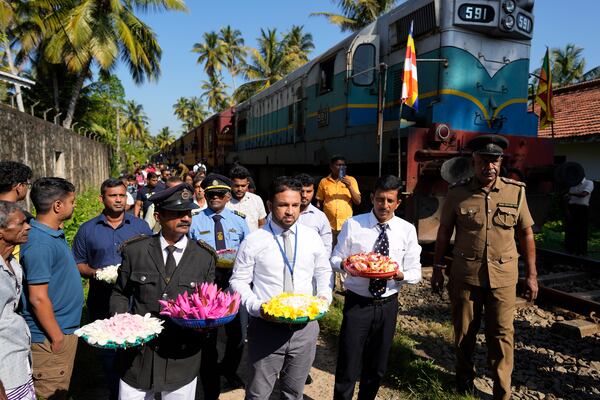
x=566, y=281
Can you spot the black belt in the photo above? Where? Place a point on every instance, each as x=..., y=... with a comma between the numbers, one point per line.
x=370, y=300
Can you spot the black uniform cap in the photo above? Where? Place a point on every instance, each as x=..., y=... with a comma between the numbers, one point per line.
x=216, y=182
x=176, y=198
x=491, y=145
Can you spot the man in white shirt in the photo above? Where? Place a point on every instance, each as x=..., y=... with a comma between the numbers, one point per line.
x=283, y=256
x=576, y=229
x=244, y=202
x=310, y=215
x=371, y=305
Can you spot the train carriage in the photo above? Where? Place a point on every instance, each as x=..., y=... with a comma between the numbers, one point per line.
x=473, y=63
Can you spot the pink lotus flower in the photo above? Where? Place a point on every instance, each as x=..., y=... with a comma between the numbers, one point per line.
x=206, y=302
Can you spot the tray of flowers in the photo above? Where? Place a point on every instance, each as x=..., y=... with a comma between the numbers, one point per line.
x=371, y=265
x=295, y=308
x=206, y=307
x=226, y=258
x=108, y=274
x=121, y=331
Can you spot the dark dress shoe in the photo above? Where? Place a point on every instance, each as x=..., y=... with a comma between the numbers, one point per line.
x=309, y=380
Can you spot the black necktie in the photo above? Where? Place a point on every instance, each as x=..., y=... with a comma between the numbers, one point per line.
x=382, y=246
x=219, y=234
x=170, y=265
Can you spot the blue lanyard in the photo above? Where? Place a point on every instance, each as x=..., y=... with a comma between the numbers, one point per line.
x=285, y=259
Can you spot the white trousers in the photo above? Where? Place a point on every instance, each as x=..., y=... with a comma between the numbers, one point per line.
x=186, y=392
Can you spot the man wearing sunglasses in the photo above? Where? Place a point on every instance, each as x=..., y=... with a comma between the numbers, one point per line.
x=222, y=229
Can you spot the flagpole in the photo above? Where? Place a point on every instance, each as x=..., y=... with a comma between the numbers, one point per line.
x=380, y=109
x=400, y=144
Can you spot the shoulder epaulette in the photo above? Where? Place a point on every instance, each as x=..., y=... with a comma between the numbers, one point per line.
x=462, y=182
x=239, y=214
x=208, y=248
x=512, y=181
x=133, y=239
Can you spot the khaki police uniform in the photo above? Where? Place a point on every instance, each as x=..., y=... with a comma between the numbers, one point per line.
x=484, y=272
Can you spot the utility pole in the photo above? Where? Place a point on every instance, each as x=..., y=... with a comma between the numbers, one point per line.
x=118, y=141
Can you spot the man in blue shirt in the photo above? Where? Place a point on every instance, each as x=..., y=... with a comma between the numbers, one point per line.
x=53, y=295
x=96, y=246
x=222, y=229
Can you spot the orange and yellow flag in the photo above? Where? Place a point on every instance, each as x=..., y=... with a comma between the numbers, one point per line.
x=410, y=84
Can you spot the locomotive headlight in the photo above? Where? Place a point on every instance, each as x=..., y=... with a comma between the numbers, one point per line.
x=508, y=22
x=509, y=6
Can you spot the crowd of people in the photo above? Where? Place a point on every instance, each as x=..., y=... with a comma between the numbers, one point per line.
x=164, y=227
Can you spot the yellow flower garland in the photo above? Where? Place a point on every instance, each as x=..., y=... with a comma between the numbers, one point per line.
x=293, y=306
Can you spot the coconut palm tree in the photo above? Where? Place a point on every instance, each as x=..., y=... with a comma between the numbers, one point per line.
x=135, y=125
x=198, y=113
x=270, y=63
x=83, y=33
x=181, y=108
x=211, y=53
x=9, y=19
x=357, y=14
x=298, y=45
x=235, y=52
x=568, y=66
x=214, y=91
x=164, y=138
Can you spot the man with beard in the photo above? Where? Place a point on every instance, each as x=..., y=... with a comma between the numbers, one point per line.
x=53, y=294
x=96, y=245
x=142, y=201
x=248, y=204
x=371, y=305
x=157, y=268
x=222, y=229
x=487, y=211
x=283, y=256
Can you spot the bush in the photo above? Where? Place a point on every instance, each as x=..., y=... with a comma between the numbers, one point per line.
x=87, y=207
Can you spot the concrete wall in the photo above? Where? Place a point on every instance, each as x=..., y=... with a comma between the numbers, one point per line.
x=51, y=150
x=586, y=154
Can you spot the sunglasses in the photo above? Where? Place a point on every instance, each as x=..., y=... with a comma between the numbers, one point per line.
x=215, y=194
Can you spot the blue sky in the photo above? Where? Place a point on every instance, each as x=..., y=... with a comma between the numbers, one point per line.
x=556, y=24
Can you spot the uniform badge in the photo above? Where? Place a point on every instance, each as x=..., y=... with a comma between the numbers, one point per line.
x=220, y=236
x=204, y=232
x=215, y=182
x=510, y=205
x=232, y=230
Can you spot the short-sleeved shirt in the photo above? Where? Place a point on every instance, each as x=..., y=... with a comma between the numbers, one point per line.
x=234, y=227
x=47, y=259
x=15, y=340
x=485, y=252
x=97, y=242
x=253, y=208
x=146, y=192
x=316, y=219
x=584, y=186
x=336, y=199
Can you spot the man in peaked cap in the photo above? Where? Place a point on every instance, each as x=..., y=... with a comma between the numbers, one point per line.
x=486, y=211
x=222, y=229
x=156, y=268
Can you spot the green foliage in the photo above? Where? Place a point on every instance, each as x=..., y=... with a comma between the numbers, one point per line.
x=552, y=237
x=87, y=207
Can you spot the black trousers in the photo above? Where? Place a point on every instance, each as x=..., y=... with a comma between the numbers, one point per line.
x=576, y=229
x=366, y=338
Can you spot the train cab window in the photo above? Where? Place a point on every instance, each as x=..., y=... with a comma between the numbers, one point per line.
x=326, y=77
x=363, y=65
x=242, y=126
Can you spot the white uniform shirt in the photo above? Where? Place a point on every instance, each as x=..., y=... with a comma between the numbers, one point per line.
x=179, y=248
x=359, y=234
x=316, y=219
x=585, y=186
x=258, y=269
x=251, y=206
